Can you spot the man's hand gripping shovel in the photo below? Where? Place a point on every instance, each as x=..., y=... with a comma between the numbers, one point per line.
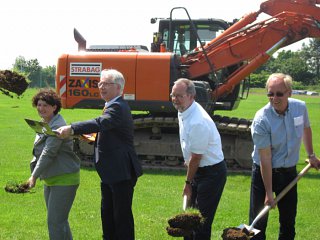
x=266, y=209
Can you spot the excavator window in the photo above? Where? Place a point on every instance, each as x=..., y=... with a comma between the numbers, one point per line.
x=182, y=42
x=183, y=39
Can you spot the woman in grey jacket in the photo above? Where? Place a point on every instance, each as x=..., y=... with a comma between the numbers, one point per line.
x=56, y=164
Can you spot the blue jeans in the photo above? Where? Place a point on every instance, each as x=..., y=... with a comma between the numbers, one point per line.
x=287, y=206
x=207, y=188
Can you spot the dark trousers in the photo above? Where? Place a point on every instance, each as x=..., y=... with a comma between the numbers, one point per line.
x=116, y=212
x=207, y=188
x=287, y=206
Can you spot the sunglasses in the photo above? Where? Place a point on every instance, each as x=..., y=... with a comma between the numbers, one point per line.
x=278, y=94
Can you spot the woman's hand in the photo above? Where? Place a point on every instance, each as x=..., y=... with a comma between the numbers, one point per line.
x=32, y=181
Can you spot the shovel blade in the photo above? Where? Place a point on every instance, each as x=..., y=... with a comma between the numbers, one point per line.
x=254, y=230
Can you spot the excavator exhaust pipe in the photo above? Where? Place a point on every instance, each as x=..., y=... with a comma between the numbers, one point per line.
x=82, y=43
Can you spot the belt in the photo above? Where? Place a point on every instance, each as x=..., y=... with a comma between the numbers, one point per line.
x=280, y=170
x=210, y=167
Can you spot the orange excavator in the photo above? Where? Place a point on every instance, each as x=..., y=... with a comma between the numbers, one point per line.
x=217, y=55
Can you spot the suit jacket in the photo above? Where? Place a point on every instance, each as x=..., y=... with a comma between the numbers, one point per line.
x=116, y=159
x=54, y=156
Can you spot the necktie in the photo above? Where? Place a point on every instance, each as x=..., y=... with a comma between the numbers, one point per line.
x=97, y=135
x=91, y=137
x=104, y=109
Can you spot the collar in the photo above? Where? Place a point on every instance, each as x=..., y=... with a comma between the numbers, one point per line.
x=285, y=112
x=107, y=104
x=53, y=119
x=186, y=113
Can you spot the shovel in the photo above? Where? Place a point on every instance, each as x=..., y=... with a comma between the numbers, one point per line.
x=276, y=200
x=185, y=202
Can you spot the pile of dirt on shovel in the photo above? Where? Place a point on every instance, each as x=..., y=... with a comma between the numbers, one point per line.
x=12, y=82
x=182, y=225
x=234, y=233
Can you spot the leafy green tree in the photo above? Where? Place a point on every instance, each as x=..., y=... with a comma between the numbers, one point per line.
x=311, y=55
x=48, y=76
x=291, y=63
x=35, y=73
x=20, y=64
x=31, y=68
x=258, y=79
x=266, y=67
x=38, y=76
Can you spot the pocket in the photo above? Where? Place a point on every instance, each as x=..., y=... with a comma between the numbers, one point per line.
x=298, y=125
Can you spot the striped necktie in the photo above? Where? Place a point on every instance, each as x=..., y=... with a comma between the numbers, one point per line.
x=104, y=109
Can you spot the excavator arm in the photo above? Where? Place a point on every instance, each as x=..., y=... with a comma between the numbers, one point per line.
x=254, y=43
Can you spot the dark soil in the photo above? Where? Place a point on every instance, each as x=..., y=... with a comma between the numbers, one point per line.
x=234, y=233
x=17, y=187
x=184, y=224
x=12, y=82
x=178, y=232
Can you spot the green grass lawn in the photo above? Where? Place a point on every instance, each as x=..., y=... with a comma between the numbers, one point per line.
x=157, y=194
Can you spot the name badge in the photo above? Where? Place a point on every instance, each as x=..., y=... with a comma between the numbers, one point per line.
x=298, y=120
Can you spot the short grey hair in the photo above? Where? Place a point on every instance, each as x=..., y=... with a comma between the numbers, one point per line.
x=115, y=75
x=287, y=79
x=191, y=89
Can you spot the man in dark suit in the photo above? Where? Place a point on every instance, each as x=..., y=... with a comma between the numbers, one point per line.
x=115, y=157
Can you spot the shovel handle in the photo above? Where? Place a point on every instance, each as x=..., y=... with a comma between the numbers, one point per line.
x=185, y=202
x=292, y=183
x=261, y=213
x=280, y=195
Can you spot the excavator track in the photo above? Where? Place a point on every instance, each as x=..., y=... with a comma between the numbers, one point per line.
x=157, y=143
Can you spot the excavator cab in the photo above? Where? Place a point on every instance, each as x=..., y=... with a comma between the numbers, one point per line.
x=182, y=39
x=185, y=37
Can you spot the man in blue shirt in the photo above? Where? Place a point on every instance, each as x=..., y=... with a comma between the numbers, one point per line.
x=277, y=131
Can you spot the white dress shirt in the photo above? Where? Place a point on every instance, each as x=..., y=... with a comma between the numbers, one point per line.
x=199, y=135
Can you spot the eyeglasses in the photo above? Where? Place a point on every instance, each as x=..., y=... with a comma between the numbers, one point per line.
x=178, y=96
x=278, y=94
x=105, y=84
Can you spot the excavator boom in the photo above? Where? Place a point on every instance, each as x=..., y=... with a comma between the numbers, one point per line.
x=291, y=21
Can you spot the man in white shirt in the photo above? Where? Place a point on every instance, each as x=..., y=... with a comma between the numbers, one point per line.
x=202, y=151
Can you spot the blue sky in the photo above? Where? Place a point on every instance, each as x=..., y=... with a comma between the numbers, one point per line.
x=43, y=29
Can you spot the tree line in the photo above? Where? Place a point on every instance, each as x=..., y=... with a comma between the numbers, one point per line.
x=38, y=76
x=303, y=65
